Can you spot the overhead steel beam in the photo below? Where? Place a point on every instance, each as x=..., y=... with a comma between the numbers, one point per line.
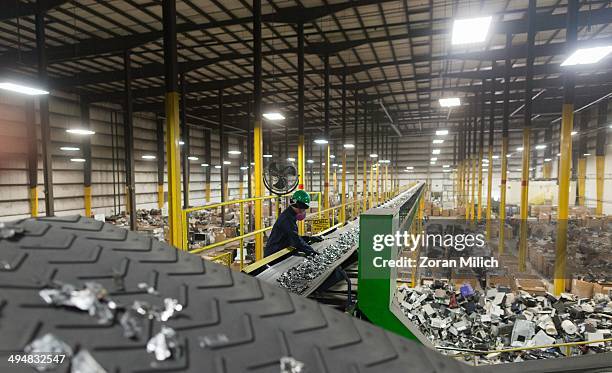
x=17, y=9
x=155, y=69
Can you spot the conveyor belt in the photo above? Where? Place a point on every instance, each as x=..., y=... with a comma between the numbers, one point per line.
x=273, y=272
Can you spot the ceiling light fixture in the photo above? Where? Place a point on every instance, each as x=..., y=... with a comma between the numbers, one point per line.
x=69, y=148
x=320, y=141
x=349, y=146
x=193, y=158
x=470, y=30
x=438, y=141
x=435, y=151
x=267, y=155
x=586, y=56
x=80, y=131
x=540, y=147
x=23, y=89
x=227, y=162
x=373, y=155
x=441, y=132
x=234, y=152
x=148, y=156
x=273, y=115
x=290, y=159
x=449, y=102
x=309, y=161
x=204, y=165
x=79, y=160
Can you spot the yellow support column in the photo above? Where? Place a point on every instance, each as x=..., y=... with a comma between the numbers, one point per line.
x=522, y=255
x=326, y=185
x=468, y=162
x=479, y=213
x=489, y=192
x=502, y=197
x=567, y=124
x=600, y=165
x=301, y=173
x=473, y=199
x=87, y=198
x=547, y=170
x=377, y=185
x=174, y=170
x=160, y=196
x=257, y=175
x=34, y=202
x=581, y=179
x=364, y=194
x=600, y=154
x=301, y=162
x=343, y=189
x=371, y=193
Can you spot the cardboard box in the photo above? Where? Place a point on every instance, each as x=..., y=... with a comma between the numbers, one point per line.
x=459, y=280
x=582, y=289
x=531, y=285
x=229, y=232
x=605, y=288
x=501, y=280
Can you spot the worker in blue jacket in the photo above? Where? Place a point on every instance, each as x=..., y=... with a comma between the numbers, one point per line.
x=285, y=231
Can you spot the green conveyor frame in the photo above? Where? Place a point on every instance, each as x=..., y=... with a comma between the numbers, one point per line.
x=377, y=285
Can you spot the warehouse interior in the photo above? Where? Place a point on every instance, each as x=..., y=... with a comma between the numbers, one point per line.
x=132, y=128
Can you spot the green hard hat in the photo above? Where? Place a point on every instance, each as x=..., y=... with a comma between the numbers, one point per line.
x=301, y=198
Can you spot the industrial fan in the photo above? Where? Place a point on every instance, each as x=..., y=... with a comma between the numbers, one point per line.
x=280, y=177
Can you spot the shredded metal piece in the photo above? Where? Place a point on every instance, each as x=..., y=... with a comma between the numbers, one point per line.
x=298, y=278
x=88, y=299
x=163, y=344
x=291, y=365
x=83, y=362
x=131, y=324
x=48, y=344
x=170, y=307
x=9, y=231
x=213, y=340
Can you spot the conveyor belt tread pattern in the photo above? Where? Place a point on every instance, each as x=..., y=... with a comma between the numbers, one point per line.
x=254, y=323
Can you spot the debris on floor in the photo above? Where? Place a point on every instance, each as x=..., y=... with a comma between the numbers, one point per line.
x=460, y=320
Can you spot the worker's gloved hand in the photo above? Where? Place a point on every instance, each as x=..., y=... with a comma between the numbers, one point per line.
x=313, y=239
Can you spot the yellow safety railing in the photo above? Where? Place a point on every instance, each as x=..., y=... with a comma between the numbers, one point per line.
x=568, y=348
x=242, y=234
x=241, y=226
x=225, y=259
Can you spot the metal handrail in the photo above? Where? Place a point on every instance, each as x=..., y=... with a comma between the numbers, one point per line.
x=567, y=345
x=243, y=235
